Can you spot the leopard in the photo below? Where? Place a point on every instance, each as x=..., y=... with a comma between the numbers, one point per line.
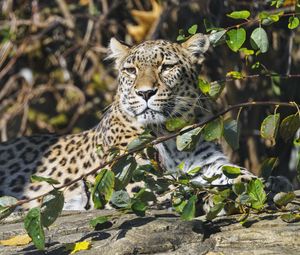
x=157, y=81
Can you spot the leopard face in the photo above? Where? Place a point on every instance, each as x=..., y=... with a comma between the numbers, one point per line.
x=158, y=79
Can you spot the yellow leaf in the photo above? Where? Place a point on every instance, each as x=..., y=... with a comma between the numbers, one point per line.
x=80, y=246
x=145, y=21
x=16, y=240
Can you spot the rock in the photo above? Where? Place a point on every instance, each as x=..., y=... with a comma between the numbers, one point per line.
x=162, y=232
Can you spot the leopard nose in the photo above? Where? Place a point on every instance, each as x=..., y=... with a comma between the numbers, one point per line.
x=146, y=94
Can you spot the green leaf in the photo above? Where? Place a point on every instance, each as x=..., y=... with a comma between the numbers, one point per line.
x=139, y=208
x=211, y=178
x=267, y=167
x=103, y=188
x=175, y=124
x=193, y=29
x=216, y=89
x=221, y=196
x=180, y=38
x=268, y=18
x=123, y=170
x=216, y=38
x=189, y=210
x=145, y=196
x=98, y=220
x=293, y=22
x=121, y=199
x=235, y=74
x=256, y=65
x=214, y=211
x=283, y=198
x=232, y=133
x=257, y=194
x=213, y=130
x=244, y=14
x=289, y=126
x=290, y=217
x=204, y=86
x=5, y=203
x=33, y=226
x=246, y=51
x=259, y=40
x=269, y=126
x=188, y=140
x=239, y=188
x=140, y=141
x=36, y=178
x=179, y=204
x=194, y=170
x=52, y=206
x=231, y=171
x=277, y=3
x=236, y=38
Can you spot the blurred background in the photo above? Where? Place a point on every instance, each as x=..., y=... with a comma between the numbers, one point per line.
x=54, y=77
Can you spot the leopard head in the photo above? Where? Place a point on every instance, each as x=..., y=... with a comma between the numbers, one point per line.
x=158, y=79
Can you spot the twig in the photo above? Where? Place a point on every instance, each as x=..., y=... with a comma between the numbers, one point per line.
x=160, y=140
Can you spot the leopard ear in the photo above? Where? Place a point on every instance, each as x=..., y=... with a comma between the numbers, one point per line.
x=197, y=45
x=117, y=50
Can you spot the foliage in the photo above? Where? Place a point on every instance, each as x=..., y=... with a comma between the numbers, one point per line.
x=109, y=185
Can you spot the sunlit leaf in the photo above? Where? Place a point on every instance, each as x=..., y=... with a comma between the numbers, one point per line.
x=214, y=211
x=213, y=130
x=269, y=18
x=189, y=210
x=267, y=167
x=216, y=89
x=277, y=3
x=289, y=126
x=52, y=206
x=194, y=170
x=269, y=126
x=193, y=29
x=175, y=124
x=216, y=38
x=244, y=14
x=204, y=86
x=257, y=194
x=98, y=220
x=103, y=188
x=188, y=140
x=236, y=38
x=232, y=133
x=293, y=22
x=283, y=198
x=235, y=75
x=18, y=240
x=79, y=246
x=231, y=171
x=34, y=228
x=36, y=178
x=5, y=203
x=259, y=40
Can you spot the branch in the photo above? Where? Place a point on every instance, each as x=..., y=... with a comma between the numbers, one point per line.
x=160, y=140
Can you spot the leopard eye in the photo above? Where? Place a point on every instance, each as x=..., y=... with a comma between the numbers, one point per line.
x=167, y=67
x=130, y=70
